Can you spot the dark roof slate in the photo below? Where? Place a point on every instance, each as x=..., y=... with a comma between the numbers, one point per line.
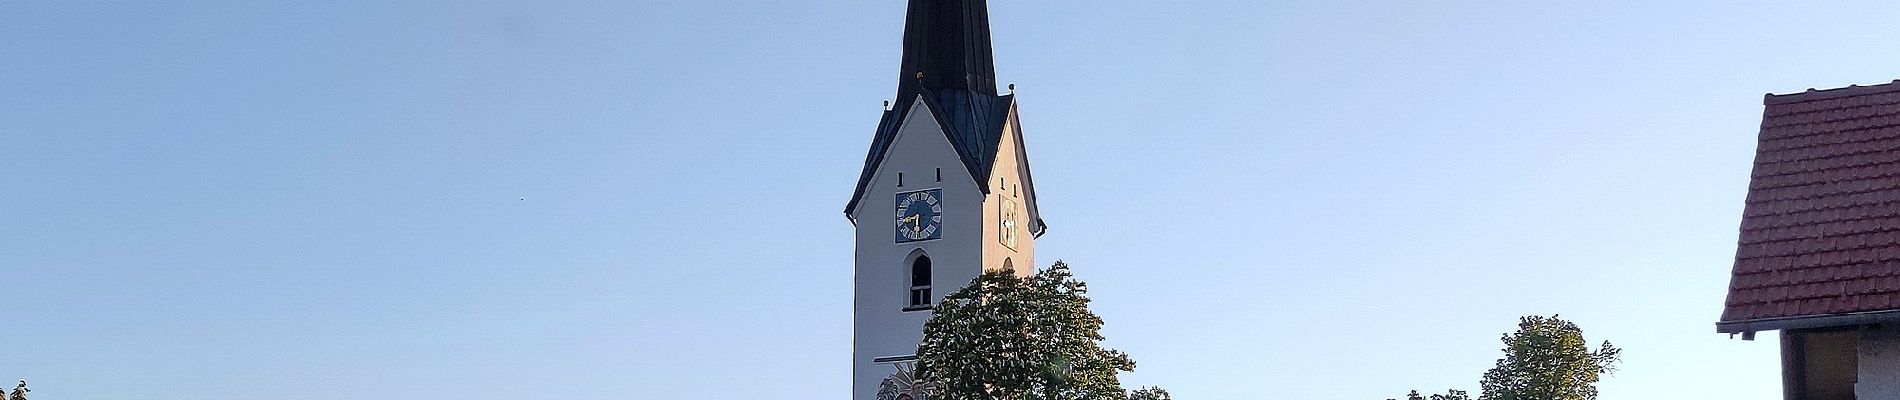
x=1820, y=232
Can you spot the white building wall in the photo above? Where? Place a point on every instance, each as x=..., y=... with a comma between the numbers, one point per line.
x=1879, y=364
x=881, y=288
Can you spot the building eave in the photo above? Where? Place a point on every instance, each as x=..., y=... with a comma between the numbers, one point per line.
x=1807, y=322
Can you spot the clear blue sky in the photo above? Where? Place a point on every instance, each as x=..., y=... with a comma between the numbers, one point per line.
x=593, y=200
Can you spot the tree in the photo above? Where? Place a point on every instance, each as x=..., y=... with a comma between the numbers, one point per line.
x=19, y=392
x=1149, y=393
x=1547, y=359
x=1008, y=337
x=1452, y=394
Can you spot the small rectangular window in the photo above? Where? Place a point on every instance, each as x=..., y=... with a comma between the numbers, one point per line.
x=940, y=174
x=900, y=179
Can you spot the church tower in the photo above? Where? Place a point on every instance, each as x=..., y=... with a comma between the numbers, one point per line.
x=945, y=192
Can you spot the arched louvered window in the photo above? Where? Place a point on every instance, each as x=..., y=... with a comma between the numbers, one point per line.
x=920, y=282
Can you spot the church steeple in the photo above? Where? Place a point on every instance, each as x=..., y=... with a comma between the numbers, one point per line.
x=947, y=43
x=945, y=193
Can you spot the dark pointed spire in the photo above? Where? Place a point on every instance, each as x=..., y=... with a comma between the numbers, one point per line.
x=947, y=46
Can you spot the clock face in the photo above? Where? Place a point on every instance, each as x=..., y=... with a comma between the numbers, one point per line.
x=919, y=215
x=1006, y=226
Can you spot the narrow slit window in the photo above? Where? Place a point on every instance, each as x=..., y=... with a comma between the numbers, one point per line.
x=940, y=174
x=900, y=179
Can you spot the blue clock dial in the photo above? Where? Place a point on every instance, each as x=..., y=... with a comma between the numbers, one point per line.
x=919, y=215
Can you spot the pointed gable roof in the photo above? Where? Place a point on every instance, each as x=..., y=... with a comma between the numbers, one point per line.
x=973, y=122
x=1820, y=233
x=947, y=67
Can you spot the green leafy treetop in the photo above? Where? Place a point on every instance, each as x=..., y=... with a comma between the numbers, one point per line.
x=1005, y=337
x=1547, y=359
x=1149, y=393
x=1452, y=394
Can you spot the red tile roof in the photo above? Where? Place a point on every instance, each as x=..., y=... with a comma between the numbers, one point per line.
x=1820, y=232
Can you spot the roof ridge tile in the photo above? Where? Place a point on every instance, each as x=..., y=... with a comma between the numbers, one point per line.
x=1813, y=94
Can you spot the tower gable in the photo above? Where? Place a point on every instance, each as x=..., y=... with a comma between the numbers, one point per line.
x=918, y=143
x=972, y=122
x=1012, y=161
x=1011, y=218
